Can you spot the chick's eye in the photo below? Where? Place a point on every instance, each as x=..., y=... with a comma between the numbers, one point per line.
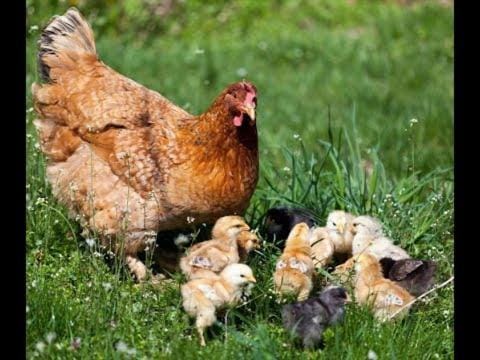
x=334, y=224
x=241, y=275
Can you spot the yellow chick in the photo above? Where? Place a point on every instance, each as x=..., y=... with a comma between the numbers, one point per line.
x=294, y=270
x=372, y=289
x=323, y=248
x=339, y=224
x=369, y=238
x=202, y=297
x=210, y=257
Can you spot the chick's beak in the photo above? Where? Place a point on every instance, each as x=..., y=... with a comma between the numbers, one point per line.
x=250, y=111
x=340, y=228
x=251, y=279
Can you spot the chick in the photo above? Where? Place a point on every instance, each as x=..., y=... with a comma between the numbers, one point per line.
x=323, y=248
x=339, y=224
x=294, y=271
x=371, y=288
x=247, y=241
x=279, y=221
x=210, y=257
x=416, y=276
x=308, y=319
x=369, y=238
x=202, y=297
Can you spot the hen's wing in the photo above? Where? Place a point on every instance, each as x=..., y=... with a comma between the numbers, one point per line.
x=129, y=126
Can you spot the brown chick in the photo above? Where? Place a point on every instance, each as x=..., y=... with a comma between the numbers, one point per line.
x=247, y=241
x=294, y=270
x=126, y=161
x=202, y=297
x=372, y=289
x=210, y=257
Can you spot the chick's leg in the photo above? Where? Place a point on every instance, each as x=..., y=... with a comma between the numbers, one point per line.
x=205, y=318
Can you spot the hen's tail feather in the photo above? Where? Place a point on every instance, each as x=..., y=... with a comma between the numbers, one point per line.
x=69, y=35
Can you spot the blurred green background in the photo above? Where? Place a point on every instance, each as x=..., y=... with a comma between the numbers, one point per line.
x=382, y=62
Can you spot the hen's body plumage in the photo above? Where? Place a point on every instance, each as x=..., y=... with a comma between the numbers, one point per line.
x=125, y=160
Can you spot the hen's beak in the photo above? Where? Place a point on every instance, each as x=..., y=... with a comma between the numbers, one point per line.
x=250, y=111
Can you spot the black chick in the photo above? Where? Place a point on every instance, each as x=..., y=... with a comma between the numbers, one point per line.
x=415, y=276
x=308, y=319
x=279, y=221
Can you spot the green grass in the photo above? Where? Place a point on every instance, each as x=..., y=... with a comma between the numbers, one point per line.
x=365, y=70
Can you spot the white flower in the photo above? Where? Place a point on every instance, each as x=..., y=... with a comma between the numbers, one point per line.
x=75, y=344
x=242, y=72
x=90, y=242
x=50, y=337
x=372, y=355
x=190, y=219
x=199, y=51
x=297, y=137
x=29, y=110
x=121, y=346
x=33, y=28
x=286, y=169
x=40, y=346
x=107, y=286
x=27, y=309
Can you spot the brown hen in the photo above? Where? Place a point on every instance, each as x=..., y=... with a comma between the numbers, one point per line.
x=128, y=162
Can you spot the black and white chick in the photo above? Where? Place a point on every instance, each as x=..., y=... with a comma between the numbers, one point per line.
x=415, y=276
x=280, y=220
x=307, y=320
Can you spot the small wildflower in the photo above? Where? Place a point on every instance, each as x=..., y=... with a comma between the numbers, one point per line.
x=372, y=355
x=199, y=51
x=75, y=344
x=297, y=137
x=40, y=346
x=286, y=169
x=121, y=346
x=263, y=45
x=413, y=121
x=29, y=110
x=97, y=254
x=190, y=219
x=32, y=29
x=50, y=337
x=241, y=72
x=107, y=286
x=27, y=309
